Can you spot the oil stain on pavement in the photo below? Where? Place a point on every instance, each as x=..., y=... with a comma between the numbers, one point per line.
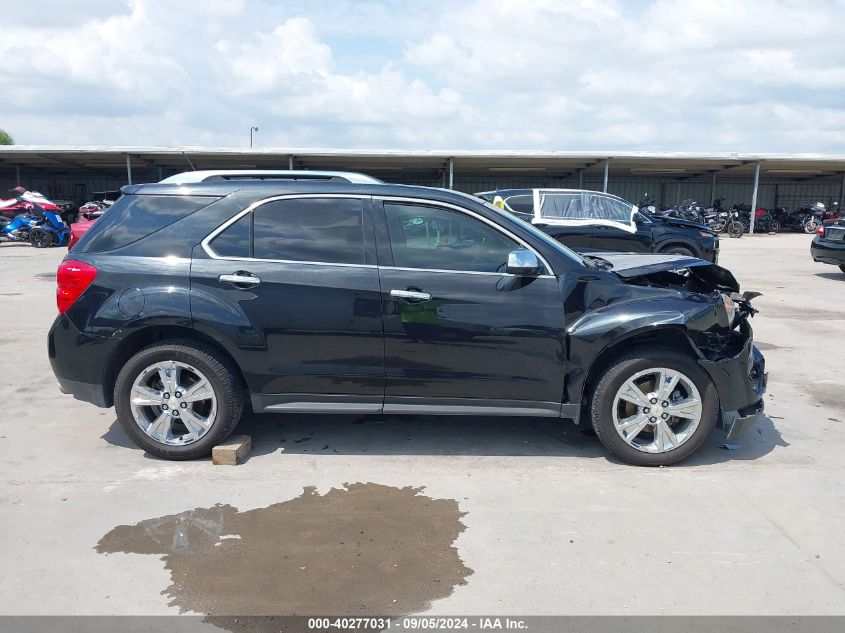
x=364, y=549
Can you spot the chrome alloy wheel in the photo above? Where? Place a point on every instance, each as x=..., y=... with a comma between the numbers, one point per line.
x=173, y=403
x=657, y=410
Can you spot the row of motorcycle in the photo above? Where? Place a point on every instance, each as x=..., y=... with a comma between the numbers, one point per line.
x=736, y=220
x=30, y=217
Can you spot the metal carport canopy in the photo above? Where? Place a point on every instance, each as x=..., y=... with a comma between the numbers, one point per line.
x=674, y=165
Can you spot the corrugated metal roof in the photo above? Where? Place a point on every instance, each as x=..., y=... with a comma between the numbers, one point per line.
x=468, y=163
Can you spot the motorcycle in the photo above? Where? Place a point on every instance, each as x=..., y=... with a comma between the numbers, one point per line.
x=715, y=217
x=49, y=230
x=806, y=218
x=647, y=205
x=734, y=226
x=689, y=209
x=765, y=221
x=17, y=229
x=40, y=223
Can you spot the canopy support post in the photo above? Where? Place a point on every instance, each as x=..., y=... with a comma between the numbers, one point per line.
x=754, y=197
x=606, y=170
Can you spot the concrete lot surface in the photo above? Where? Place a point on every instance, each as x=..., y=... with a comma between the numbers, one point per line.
x=450, y=515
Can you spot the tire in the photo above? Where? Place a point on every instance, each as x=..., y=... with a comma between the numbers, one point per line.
x=605, y=399
x=776, y=227
x=223, y=409
x=810, y=227
x=678, y=250
x=40, y=238
x=735, y=229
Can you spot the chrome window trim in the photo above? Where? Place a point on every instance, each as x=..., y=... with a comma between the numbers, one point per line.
x=206, y=243
x=454, y=207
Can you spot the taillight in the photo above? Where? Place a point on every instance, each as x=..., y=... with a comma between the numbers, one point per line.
x=74, y=238
x=73, y=278
x=820, y=232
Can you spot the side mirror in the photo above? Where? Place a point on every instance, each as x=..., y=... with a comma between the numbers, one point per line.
x=524, y=262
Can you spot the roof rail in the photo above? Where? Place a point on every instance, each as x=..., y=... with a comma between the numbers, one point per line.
x=191, y=177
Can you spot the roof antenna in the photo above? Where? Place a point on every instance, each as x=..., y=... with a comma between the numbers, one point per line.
x=189, y=161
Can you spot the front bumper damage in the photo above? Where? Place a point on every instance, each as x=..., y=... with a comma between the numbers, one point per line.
x=741, y=382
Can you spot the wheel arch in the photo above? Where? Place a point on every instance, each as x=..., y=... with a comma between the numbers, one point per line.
x=673, y=241
x=580, y=387
x=143, y=337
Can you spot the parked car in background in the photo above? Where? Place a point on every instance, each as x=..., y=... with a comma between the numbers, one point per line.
x=583, y=219
x=828, y=245
x=186, y=301
x=88, y=214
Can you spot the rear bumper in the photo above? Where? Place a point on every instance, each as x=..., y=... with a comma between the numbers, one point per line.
x=79, y=361
x=827, y=251
x=85, y=391
x=741, y=382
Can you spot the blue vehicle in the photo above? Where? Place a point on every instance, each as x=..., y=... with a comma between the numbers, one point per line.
x=48, y=230
x=16, y=230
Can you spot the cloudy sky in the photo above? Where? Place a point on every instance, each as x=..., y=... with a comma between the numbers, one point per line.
x=686, y=75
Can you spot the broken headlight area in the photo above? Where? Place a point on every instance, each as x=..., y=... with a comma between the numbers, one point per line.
x=716, y=344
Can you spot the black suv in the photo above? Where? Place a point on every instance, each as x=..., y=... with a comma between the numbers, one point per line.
x=185, y=302
x=585, y=220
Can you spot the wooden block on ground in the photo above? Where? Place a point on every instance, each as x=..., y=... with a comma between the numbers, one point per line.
x=233, y=452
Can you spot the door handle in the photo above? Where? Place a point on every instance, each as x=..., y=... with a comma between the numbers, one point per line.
x=412, y=295
x=240, y=278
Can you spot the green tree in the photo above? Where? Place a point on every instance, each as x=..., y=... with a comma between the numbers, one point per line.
x=6, y=138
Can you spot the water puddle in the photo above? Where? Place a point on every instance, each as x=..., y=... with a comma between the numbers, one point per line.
x=364, y=549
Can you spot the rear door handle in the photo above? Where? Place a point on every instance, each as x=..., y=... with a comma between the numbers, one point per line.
x=413, y=295
x=240, y=278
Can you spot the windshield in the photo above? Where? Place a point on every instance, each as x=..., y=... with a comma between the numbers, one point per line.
x=540, y=235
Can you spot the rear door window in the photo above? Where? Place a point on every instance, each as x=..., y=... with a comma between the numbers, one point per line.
x=236, y=240
x=558, y=205
x=326, y=230
x=134, y=217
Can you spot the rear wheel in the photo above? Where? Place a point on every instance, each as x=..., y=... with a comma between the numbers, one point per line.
x=40, y=238
x=654, y=407
x=178, y=399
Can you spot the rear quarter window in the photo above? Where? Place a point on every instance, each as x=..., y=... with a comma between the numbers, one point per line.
x=134, y=217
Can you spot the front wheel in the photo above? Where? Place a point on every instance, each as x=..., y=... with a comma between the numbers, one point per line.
x=810, y=227
x=654, y=406
x=178, y=399
x=40, y=238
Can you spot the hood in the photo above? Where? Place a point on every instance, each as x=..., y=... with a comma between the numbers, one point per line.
x=680, y=223
x=631, y=265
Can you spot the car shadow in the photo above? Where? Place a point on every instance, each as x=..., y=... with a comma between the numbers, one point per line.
x=316, y=434
x=838, y=276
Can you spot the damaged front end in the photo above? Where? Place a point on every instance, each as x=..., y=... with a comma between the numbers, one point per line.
x=719, y=331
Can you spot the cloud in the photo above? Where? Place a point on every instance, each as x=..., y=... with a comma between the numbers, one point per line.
x=596, y=74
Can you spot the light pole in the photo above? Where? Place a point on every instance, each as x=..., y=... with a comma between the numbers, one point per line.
x=254, y=128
